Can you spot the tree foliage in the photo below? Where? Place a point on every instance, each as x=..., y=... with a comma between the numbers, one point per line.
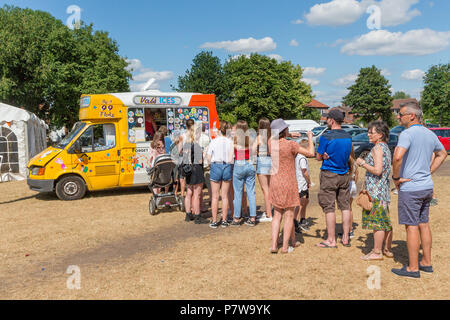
x=258, y=86
x=400, y=95
x=250, y=87
x=204, y=76
x=45, y=66
x=436, y=94
x=370, y=97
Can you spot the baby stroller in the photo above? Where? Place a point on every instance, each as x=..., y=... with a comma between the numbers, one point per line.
x=163, y=174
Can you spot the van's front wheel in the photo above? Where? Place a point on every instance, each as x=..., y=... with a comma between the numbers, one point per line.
x=70, y=188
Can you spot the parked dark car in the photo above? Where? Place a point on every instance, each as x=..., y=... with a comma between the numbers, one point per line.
x=355, y=132
x=362, y=146
x=397, y=130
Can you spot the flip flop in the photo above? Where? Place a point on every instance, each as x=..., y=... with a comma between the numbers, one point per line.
x=273, y=251
x=346, y=245
x=326, y=245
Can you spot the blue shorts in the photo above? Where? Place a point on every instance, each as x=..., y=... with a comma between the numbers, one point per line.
x=264, y=165
x=221, y=172
x=414, y=207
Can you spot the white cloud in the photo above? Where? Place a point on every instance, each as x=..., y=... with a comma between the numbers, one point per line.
x=312, y=82
x=142, y=75
x=312, y=71
x=415, y=74
x=243, y=45
x=146, y=74
x=334, y=13
x=396, y=12
x=133, y=64
x=346, y=80
x=293, y=43
x=384, y=43
x=276, y=57
x=343, y=12
x=138, y=86
x=298, y=21
x=385, y=72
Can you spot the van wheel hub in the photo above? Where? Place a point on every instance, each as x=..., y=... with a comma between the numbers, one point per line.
x=70, y=188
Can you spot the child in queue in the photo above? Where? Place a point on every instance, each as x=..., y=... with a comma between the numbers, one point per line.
x=304, y=183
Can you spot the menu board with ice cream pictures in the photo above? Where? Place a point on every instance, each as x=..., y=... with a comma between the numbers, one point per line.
x=136, y=125
x=177, y=117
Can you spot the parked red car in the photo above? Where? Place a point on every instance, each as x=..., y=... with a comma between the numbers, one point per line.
x=444, y=136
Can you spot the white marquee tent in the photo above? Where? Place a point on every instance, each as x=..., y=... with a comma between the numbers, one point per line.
x=22, y=136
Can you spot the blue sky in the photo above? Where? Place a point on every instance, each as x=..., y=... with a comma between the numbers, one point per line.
x=331, y=39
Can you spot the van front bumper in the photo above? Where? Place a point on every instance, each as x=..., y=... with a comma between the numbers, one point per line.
x=41, y=185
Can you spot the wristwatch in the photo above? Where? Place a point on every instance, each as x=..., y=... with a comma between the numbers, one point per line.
x=395, y=179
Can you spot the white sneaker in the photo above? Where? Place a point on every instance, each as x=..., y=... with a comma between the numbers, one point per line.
x=264, y=218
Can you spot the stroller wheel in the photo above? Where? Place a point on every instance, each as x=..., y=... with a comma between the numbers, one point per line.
x=152, y=206
x=181, y=204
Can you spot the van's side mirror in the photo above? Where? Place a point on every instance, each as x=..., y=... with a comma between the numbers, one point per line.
x=76, y=147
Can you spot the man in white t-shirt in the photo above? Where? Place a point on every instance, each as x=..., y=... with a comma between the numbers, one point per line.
x=304, y=183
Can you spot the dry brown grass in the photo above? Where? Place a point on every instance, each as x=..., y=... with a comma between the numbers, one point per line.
x=124, y=253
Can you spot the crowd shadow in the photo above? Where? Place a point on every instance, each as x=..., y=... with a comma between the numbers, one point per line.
x=399, y=248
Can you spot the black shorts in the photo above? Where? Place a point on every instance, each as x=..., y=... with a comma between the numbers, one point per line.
x=304, y=194
x=197, y=175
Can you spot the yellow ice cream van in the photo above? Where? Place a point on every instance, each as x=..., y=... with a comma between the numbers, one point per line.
x=110, y=146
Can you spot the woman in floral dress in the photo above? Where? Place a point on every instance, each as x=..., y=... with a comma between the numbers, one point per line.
x=378, y=166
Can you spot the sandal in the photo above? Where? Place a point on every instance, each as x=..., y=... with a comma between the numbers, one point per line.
x=326, y=245
x=368, y=257
x=388, y=254
x=290, y=250
x=273, y=251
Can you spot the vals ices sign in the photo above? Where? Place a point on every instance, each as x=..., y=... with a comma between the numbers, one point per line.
x=157, y=101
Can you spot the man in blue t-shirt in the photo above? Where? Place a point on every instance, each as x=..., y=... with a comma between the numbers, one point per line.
x=412, y=169
x=334, y=150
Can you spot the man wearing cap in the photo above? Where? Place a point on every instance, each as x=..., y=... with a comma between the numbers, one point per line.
x=334, y=150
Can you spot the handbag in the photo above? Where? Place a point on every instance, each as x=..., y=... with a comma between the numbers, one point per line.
x=364, y=200
x=188, y=168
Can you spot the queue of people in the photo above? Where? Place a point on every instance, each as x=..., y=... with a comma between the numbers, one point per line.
x=283, y=173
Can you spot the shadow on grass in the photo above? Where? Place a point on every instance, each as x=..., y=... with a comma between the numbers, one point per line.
x=399, y=248
x=21, y=199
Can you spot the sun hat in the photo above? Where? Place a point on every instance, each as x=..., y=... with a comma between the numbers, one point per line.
x=279, y=124
x=336, y=114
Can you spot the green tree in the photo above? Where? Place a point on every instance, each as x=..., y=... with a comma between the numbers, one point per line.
x=205, y=76
x=436, y=94
x=258, y=86
x=370, y=97
x=400, y=95
x=45, y=66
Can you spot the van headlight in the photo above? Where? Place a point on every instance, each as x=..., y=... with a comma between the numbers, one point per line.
x=37, y=171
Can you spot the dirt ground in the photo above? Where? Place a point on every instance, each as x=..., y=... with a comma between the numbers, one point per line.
x=124, y=253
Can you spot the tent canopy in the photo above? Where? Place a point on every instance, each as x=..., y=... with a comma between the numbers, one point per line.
x=9, y=113
x=22, y=135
